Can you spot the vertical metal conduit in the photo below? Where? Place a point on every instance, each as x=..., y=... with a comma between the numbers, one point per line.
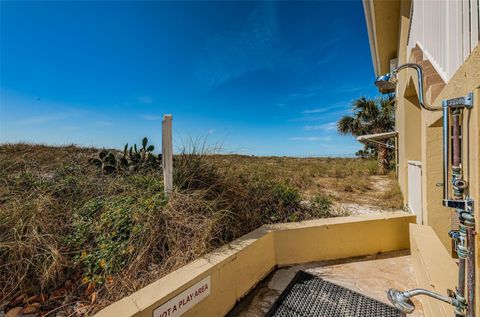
x=446, y=129
x=469, y=224
x=458, y=193
x=471, y=272
x=466, y=233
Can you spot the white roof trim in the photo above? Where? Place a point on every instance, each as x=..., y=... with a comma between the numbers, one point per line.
x=372, y=35
x=377, y=136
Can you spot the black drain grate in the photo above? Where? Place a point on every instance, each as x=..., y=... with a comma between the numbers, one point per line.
x=310, y=296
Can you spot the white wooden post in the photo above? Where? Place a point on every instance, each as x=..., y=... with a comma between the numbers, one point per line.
x=167, y=154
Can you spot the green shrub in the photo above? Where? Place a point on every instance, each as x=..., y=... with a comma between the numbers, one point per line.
x=108, y=231
x=372, y=167
x=288, y=195
x=321, y=206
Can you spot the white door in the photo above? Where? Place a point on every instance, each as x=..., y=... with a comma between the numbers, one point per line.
x=415, y=189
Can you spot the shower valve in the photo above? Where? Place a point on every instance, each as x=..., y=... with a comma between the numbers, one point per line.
x=460, y=183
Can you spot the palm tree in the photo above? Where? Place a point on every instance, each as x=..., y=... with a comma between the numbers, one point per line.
x=371, y=116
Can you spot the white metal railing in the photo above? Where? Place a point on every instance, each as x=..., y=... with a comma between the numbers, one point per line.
x=446, y=30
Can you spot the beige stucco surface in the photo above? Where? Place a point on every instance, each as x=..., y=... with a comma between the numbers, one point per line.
x=420, y=131
x=235, y=269
x=426, y=135
x=384, y=23
x=434, y=268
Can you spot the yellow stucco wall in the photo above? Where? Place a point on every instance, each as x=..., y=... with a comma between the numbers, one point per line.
x=435, y=270
x=383, y=13
x=465, y=80
x=434, y=214
x=237, y=268
x=429, y=132
x=408, y=122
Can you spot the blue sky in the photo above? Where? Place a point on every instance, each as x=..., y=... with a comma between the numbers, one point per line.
x=262, y=78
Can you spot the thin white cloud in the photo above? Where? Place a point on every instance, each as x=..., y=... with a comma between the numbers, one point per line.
x=304, y=95
x=103, y=123
x=329, y=50
x=308, y=118
x=150, y=117
x=352, y=88
x=325, y=59
x=325, y=127
x=71, y=128
x=336, y=105
x=46, y=118
x=146, y=100
x=317, y=110
x=331, y=41
x=292, y=97
x=228, y=56
x=311, y=138
x=211, y=131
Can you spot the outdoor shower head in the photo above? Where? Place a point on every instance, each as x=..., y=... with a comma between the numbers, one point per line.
x=401, y=301
x=386, y=83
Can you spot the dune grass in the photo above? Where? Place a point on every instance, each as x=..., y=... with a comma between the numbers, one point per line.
x=77, y=239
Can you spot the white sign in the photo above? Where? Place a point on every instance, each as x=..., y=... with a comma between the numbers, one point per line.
x=185, y=300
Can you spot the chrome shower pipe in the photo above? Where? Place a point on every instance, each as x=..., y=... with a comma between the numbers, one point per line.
x=446, y=146
x=471, y=272
x=420, y=291
x=402, y=299
x=388, y=83
x=447, y=105
x=458, y=192
x=458, y=183
x=421, y=99
x=463, y=205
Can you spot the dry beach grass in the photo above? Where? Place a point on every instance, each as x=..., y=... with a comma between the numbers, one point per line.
x=73, y=239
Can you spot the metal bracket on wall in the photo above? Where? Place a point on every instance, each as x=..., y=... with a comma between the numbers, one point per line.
x=454, y=103
x=464, y=204
x=460, y=102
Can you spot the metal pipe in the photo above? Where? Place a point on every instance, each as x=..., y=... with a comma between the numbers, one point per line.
x=421, y=291
x=456, y=159
x=421, y=98
x=458, y=194
x=446, y=124
x=466, y=243
x=469, y=222
x=461, y=279
x=471, y=272
x=387, y=83
x=402, y=300
x=466, y=235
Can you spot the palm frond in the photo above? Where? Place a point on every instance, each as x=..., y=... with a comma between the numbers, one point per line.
x=346, y=125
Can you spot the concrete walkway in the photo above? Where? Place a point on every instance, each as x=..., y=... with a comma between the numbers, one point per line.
x=370, y=276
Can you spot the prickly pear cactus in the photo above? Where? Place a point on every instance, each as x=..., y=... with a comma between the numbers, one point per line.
x=132, y=159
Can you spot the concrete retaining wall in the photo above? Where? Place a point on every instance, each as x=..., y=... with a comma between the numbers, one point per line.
x=235, y=269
